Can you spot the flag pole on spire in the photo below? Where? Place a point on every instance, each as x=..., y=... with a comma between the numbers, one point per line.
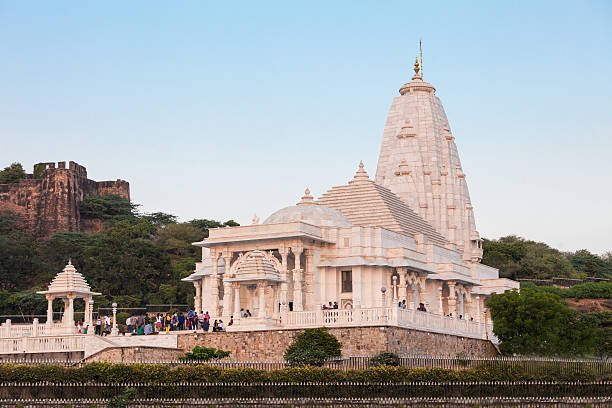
x=421, y=52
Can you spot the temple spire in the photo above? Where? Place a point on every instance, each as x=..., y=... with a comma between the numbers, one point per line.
x=307, y=198
x=361, y=175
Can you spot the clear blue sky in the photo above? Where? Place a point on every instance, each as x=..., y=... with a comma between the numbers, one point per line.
x=220, y=112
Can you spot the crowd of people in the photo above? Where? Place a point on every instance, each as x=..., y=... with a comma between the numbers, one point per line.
x=329, y=306
x=167, y=322
x=102, y=327
x=420, y=308
x=161, y=322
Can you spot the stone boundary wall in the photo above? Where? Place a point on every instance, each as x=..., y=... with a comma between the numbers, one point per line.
x=60, y=357
x=270, y=345
x=135, y=354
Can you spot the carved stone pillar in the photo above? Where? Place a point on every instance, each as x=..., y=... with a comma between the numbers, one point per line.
x=214, y=295
x=227, y=298
x=237, y=300
x=401, y=285
x=421, y=289
x=197, y=300
x=284, y=286
x=309, y=281
x=69, y=312
x=261, y=287
x=468, y=309
x=461, y=308
x=356, y=275
x=214, y=286
x=86, y=314
x=452, y=298
x=49, y=309
x=91, y=329
x=297, y=253
x=440, y=299
x=228, y=265
x=298, y=305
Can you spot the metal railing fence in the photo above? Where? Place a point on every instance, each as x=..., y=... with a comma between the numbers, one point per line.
x=183, y=390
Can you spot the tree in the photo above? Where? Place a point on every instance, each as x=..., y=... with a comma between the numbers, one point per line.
x=199, y=353
x=313, y=347
x=516, y=257
x=108, y=207
x=590, y=264
x=204, y=225
x=12, y=174
x=535, y=322
x=385, y=359
x=160, y=219
x=177, y=239
x=18, y=257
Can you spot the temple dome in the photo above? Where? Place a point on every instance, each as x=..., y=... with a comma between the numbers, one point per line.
x=309, y=212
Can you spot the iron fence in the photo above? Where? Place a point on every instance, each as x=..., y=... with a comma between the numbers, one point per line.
x=305, y=390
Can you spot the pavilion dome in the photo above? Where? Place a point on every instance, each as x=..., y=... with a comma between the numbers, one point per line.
x=309, y=212
x=257, y=265
x=69, y=280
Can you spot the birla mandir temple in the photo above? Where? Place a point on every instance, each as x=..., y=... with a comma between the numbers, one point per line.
x=400, y=248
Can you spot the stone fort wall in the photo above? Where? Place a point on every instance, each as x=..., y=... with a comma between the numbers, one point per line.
x=49, y=200
x=270, y=345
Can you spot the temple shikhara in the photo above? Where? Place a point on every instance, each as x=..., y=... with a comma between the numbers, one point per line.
x=400, y=248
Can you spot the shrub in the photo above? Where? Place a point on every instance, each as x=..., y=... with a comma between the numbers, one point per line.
x=313, y=347
x=385, y=359
x=122, y=400
x=205, y=353
x=174, y=375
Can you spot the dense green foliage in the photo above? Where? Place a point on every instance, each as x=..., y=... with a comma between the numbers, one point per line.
x=107, y=207
x=12, y=174
x=166, y=374
x=122, y=400
x=385, y=359
x=516, y=257
x=587, y=290
x=135, y=260
x=205, y=354
x=538, y=322
x=313, y=347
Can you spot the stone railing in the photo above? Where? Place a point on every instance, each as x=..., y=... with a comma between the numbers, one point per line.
x=379, y=316
x=388, y=316
x=9, y=330
x=42, y=344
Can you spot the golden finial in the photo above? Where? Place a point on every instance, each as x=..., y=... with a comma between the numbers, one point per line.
x=417, y=67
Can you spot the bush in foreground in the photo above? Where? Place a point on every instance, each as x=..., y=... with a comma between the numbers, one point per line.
x=313, y=347
x=385, y=359
x=205, y=354
x=169, y=374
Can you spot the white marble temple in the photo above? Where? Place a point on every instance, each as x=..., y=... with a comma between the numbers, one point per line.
x=406, y=238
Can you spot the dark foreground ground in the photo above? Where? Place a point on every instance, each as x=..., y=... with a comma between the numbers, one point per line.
x=592, y=402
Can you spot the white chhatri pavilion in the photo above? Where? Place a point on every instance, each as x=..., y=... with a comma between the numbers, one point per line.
x=69, y=285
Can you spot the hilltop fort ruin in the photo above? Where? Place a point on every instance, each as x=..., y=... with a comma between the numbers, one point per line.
x=48, y=200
